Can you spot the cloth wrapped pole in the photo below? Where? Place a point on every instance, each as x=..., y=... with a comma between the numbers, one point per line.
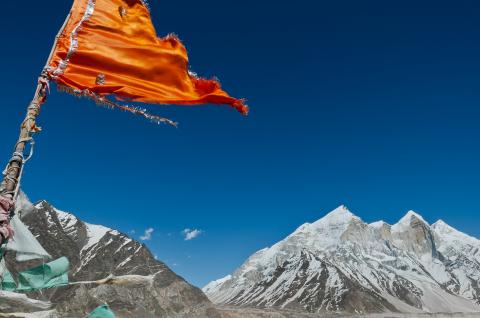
x=10, y=185
x=6, y=205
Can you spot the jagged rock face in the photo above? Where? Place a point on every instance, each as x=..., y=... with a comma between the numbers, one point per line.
x=461, y=256
x=95, y=252
x=341, y=264
x=414, y=235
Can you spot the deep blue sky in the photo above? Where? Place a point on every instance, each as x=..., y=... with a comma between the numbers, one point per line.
x=373, y=104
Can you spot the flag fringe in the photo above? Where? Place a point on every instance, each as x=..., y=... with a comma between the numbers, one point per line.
x=103, y=101
x=146, y=4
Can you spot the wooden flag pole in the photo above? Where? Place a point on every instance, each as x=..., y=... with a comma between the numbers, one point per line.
x=28, y=127
x=10, y=185
x=13, y=172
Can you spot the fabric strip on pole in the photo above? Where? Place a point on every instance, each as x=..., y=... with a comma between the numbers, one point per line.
x=6, y=204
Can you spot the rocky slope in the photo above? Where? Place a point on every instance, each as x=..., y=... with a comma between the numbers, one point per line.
x=342, y=264
x=144, y=286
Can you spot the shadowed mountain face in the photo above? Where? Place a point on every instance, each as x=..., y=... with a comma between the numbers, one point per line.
x=148, y=288
x=341, y=264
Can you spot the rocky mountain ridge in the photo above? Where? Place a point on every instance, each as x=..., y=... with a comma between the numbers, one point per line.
x=342, y=264
x=143, y=287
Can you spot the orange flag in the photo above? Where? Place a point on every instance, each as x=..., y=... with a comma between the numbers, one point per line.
x=110, y=47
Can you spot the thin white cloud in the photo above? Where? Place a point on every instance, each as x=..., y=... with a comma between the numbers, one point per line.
x=190, y=234
x=148, y=235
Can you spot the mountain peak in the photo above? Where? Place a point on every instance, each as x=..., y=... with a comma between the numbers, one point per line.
x=42, y=204
x=440, y=224
x=451, y=234
x=339, y=215
x=407, y=219
x=441, y=227
x=323, y=233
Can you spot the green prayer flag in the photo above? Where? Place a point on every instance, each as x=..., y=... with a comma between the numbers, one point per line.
x=102, y=312
x=7, y=282
x=53, y=274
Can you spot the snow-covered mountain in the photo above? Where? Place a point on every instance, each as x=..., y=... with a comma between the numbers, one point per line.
x=145, y=286
x=342, y=264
